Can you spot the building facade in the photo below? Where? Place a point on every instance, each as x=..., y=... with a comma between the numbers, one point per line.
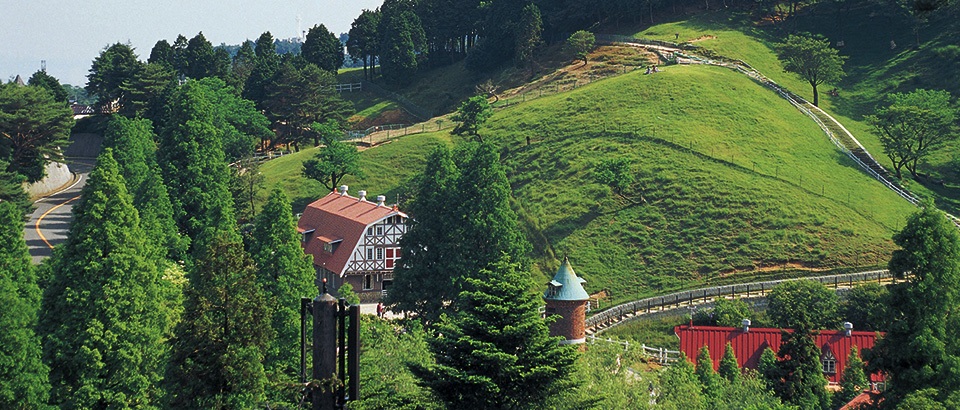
x=353, y=240
x=566, y=298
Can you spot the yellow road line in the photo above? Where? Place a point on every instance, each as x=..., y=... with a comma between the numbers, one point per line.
x=40, y=219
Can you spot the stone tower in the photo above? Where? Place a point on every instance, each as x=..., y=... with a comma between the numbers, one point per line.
x=565, y=297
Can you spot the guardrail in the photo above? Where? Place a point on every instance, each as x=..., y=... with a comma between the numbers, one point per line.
x=617, y=313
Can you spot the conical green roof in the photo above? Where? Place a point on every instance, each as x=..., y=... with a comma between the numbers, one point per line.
x=565, y=285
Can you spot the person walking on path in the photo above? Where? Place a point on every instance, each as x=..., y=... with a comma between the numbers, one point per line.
x=380, y=310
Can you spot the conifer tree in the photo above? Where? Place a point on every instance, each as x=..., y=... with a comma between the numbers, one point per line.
x=285, y=273
x=496, y=353
x=853, y=381
x=225, y=333
x=102, y=319
x=23, y=376
x=728, y=365
x=192, y=161
x=133, y=143
x=709, y=380
x=799, y=370
x=767, y=368
x=680, y=388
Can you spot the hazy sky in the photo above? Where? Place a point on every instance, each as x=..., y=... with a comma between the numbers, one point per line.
x=70, y=34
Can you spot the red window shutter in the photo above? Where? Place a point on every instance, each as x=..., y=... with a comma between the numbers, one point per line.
x=389, y=263
x=389, y=253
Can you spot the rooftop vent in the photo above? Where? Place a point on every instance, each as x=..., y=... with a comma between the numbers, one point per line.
x=343, y=190
x=746, y=325
x=362, y=194
x=848, y=328
x=381, y=199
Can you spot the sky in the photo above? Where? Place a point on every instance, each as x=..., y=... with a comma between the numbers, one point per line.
x=70, y=34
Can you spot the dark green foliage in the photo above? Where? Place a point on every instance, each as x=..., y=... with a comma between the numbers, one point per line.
x=265, y=67
x=402, y=41
x=50, y=83
x=103, y=317
x=133, y=143
x=115, y=66
x=866, y=307
x=914, y=125
x=199, y=57
x=580, y=44
x=472, y=114
x=162, y=53
x=728, y=365
x=363, y=39
x=615, y=173
x=812, y=59
x=680, y=387
x=803, y=303
x=345, y=291
x=33, y=129
x=241, y=124
x=799, y=376
x=853, y=381
x=192, y=161
x=921, y=349
x=11, y=189
x=144, y=95
x=333, y=161
x=300, y=95
x=225, y=333
x=495, y=352
x=23, y=376
x=285, y=274
x=528, y=33
x=767, y=368
x=731, y=312
x=323, y=48
x=246, y=187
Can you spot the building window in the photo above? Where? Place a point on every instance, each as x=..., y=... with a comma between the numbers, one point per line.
x=369, y=254
x=367, y=282
x=328, y=247
x=829, y=362
x=379, y=253
x=370, y=231
x=380, y=230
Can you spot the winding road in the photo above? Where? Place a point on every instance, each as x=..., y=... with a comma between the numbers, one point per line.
x=50, y=222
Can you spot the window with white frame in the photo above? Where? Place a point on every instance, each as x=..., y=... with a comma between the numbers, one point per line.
x=829, y=362
x=367, y=282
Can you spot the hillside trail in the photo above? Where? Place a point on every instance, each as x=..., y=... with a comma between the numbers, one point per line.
x=838, y=134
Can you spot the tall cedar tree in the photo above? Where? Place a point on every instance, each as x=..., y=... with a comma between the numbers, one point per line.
x=132, y=141
x=11, y=189
x=402, y=41
x=728, y=365
x=853, y=381
x=709, y=380
x=115, y=66
x=799, y=373
x=102, y=318
x=421, y=283
x=199, y=57
x=50, y=83
x=23, y=376
x=300, y=95
x=162, y=53
x=528, y=34
x=225, y=333
x=680, y=387
x=266, y=66
x=323, y=49
x=362, y=42
x=33, y=129
x=921, y=349
x=812, y=59
x=285, y=273
x=144, y=95
x=495, y=352
x=192, y=161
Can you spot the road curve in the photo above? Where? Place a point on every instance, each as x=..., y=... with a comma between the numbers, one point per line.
x=50, y=222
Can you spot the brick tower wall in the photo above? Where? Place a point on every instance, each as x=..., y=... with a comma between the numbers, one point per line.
x=571, y=324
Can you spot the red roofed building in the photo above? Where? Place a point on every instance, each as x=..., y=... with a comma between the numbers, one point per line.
x=353, y=241
x=749, y=343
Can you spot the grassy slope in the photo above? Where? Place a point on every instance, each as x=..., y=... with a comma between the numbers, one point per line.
x=719, y=159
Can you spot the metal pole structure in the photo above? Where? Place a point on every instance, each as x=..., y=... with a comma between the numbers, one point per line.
x=342, y=352
x=305, y=306
x=324, y=350
x=353, y=360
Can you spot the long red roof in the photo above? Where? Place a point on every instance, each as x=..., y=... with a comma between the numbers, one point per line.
x=748, y=346
x=338, y=217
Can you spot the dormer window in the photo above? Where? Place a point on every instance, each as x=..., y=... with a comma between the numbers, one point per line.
x=305, y=235
x=829, y=362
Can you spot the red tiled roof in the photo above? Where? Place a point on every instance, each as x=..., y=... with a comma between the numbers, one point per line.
x=862, y=401
x=749, y=346
x=338, y=216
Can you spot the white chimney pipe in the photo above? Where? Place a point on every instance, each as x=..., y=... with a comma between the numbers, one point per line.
x=343, y=190
x=848, y=328
x=746, y=325
x=381, y=199
x=362, y=194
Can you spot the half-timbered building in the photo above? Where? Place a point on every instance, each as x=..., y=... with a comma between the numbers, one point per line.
x=353, y=241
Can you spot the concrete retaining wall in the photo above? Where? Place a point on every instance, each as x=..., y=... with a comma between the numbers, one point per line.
x=58, y=175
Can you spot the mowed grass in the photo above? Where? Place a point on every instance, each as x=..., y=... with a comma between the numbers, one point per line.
x=737, y=183
x=387, y=168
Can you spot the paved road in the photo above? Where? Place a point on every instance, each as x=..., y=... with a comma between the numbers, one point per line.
x=50, y=222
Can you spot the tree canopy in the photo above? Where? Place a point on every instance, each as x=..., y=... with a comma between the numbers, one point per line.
x=913, y=125
x=50, y=83
x=812, y=59
x=332, y=162
x=581, y=44
x=472, y=114
x=115, y=66
x=363, y=38
x=323, y=48
x=33, y=129
x=803, y=303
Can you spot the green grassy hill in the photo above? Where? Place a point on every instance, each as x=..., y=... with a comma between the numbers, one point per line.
x=738, y=183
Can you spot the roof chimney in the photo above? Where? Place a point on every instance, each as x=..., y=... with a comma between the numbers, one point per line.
x=343, y=190
x=381, y=199
x=746, y=325
x=362, y=194
x=848, y=328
